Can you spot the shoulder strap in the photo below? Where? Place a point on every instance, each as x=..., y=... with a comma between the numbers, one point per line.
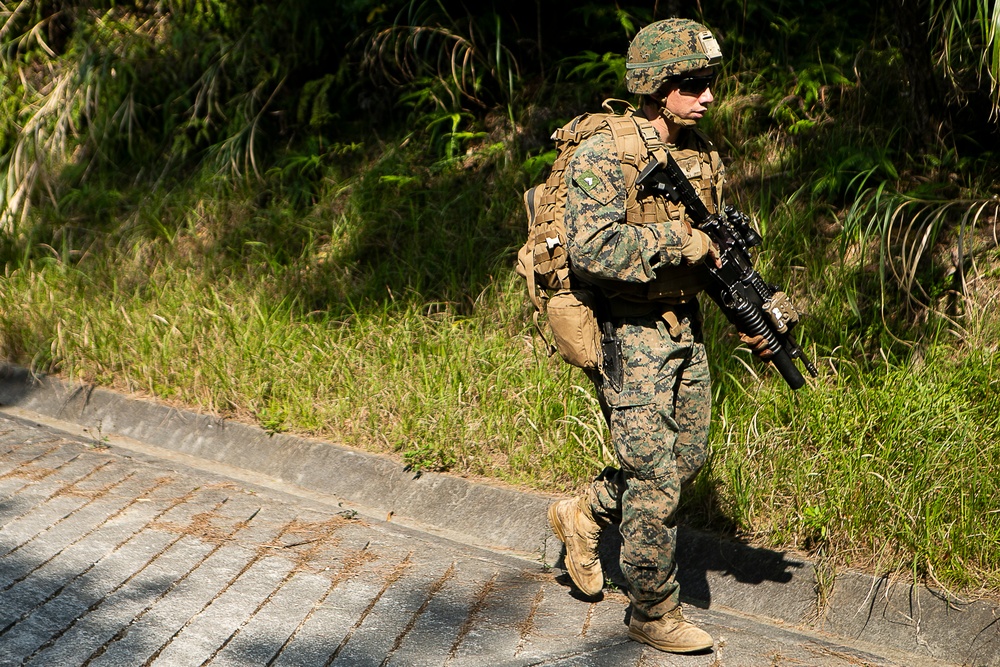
x=637, y=143
x=718, y=169
x=636, y=140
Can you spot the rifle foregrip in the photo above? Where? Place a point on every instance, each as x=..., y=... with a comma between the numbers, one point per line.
x=749, y=319
x=786, y=366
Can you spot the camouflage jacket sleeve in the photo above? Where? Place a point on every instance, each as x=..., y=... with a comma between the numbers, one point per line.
x=601, y=244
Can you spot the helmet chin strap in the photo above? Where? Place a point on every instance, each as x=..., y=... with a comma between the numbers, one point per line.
x=671, y=117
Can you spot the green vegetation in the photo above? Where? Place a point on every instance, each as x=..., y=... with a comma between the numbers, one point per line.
x=304, y=215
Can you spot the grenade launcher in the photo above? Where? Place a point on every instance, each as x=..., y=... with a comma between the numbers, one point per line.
x=754, y=307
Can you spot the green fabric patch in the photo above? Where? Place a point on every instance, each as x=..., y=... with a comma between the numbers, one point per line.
x=588, y=180
x=595, y=186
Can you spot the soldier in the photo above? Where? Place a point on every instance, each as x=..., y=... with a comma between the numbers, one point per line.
x=643, y=257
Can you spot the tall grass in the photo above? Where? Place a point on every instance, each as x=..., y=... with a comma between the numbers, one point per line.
x=888, y=470
x=445, y=385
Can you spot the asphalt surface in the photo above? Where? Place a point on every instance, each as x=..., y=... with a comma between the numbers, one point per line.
x=118, y=555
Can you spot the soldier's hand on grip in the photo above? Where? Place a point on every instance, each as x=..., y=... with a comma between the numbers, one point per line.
x=757, y=345
x=697, y=246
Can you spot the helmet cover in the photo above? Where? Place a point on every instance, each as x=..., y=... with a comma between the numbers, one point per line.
x=666, y=49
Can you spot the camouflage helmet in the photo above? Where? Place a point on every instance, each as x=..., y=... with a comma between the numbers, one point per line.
x=666, y=49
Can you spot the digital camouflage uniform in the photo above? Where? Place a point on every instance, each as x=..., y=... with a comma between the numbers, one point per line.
x=659, y=419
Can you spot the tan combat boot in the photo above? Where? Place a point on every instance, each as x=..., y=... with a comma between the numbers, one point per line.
x=574, y=525
x=672, y=633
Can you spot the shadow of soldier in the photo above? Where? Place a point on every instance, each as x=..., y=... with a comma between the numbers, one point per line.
x=707, y=565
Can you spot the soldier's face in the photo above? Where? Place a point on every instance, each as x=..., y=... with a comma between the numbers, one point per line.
x=685, y=100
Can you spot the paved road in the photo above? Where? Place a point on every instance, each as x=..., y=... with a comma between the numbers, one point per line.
x=114, y=557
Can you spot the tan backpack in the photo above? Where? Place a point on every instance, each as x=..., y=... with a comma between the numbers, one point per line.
x=544, y=261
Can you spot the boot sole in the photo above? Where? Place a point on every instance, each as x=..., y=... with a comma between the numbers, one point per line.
x=641, y=636
x=573, y=574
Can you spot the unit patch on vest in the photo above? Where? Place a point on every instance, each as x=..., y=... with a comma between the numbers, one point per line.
x=690, y=166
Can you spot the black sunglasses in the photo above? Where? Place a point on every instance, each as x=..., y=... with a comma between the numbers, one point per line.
x=694, y=85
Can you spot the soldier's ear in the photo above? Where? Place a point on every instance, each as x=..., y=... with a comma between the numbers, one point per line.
x=661, y=92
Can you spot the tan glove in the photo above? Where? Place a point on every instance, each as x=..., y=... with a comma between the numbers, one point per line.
x=757, y=345
x=698, y=246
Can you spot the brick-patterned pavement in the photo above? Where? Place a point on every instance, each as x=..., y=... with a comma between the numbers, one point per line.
x=108, y=557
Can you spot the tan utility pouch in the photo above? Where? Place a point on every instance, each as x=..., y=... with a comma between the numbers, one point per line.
x=574, y=327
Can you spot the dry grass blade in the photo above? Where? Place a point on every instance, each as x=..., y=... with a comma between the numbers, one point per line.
x=11, y=13
x=42, y=143
x=911, y=230
x=435, y=45
x=974, y=218
x=968, y=44
x=455, y=61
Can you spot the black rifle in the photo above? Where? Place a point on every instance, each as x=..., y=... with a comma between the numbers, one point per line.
x=754, y=307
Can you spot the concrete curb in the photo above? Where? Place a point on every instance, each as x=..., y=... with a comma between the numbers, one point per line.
x=713, y=571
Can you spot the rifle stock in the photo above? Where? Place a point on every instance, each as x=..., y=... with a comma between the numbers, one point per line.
x=754, y=307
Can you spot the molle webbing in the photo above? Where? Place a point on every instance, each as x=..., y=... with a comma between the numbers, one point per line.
x=546, y=203
x=636, y=140
x=680, y=283
x=547, y=241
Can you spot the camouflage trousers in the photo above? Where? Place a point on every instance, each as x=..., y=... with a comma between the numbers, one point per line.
x=659, y=426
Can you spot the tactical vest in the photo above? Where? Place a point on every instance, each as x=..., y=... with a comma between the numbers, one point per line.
x=543, y=259
x=701, y=163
